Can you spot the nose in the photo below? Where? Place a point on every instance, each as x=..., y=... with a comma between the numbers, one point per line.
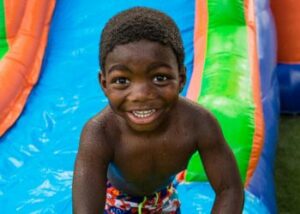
x=141, y=92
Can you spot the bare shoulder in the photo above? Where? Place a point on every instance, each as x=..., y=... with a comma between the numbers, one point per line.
x=200, y=119
x=98, y=133
x=104, y=124
x=194, y=111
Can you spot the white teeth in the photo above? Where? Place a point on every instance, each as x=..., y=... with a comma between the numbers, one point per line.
x=142, y=114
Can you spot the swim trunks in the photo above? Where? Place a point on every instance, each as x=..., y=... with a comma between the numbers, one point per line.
x=164, y=201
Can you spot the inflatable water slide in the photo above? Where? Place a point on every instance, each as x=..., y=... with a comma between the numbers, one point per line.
x=286, y=14
x=230, y=51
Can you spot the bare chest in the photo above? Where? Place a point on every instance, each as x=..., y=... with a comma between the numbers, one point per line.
x=152, y=158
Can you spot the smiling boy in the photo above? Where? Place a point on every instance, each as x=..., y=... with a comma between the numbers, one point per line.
x=131, y=151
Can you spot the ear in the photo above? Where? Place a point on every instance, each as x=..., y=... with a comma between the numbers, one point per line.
x=182, y=78
x=102, y=81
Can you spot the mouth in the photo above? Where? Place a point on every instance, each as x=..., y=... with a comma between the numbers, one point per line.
x=145, y=116
x=143, y=113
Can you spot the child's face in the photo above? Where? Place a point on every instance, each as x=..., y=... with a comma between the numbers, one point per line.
x=142, y=82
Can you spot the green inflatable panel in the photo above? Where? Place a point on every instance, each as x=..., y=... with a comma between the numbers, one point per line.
x=3, y=41
x=226, y=88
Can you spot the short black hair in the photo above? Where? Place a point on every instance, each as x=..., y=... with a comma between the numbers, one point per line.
x=140, y=23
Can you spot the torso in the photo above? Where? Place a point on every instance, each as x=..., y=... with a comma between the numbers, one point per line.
x=142, y=165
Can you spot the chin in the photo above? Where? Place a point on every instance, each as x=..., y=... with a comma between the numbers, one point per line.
x=144, y=127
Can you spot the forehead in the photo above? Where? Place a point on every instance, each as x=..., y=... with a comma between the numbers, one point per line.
x=142, y=51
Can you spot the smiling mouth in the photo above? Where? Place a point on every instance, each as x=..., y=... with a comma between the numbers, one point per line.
x=143, y=117
x=143, y=113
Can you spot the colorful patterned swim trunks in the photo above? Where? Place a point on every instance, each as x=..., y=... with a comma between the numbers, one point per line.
x=164, y=201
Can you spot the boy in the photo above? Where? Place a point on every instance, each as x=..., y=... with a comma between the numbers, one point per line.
x=131, y=151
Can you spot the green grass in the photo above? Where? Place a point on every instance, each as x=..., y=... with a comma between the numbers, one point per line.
x=287, y=165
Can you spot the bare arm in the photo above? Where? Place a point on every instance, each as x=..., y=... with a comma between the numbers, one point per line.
x=89, y=182
x=221, y=169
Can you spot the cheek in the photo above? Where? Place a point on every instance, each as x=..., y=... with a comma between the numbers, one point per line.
x=115, y=98
x=170, y=94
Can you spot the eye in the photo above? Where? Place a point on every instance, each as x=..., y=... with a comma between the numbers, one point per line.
x=160, y=78
x=121, y=81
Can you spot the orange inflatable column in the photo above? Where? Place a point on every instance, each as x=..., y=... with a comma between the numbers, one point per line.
x=27, y=27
